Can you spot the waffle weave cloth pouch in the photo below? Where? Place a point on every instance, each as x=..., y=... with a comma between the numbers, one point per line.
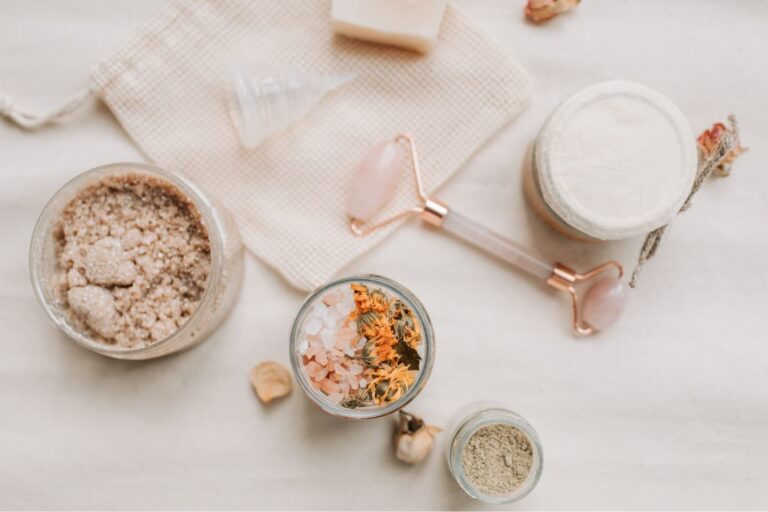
x=168, y=87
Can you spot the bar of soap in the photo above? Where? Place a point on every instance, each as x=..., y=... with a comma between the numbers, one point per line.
x=411, y=24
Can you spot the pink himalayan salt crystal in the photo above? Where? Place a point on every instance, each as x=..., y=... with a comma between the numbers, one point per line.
x=375, y=181
x=302, y=346
x=313, y=325
x=604, y=303
x=312, y=368
x=328, y=387
x=314, y=343
x=362, y=383
x=346, y=336
x=331, y=318
x=321, y=374
x=344, y=308
x=332, y=298
x=355, y=369
x=326, y=335
x=329, y=358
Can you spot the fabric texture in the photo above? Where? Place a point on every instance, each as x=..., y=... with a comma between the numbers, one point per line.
x=169, y=88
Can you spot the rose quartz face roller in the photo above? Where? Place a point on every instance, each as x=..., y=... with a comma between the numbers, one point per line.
x=374, y=185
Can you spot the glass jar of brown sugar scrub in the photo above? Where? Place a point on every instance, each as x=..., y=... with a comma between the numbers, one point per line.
x=495, y=455
x=135, y=262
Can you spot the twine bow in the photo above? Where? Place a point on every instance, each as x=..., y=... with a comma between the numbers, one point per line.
x=728, y=143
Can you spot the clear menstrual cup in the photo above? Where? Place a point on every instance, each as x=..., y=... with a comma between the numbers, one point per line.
x=267, y=99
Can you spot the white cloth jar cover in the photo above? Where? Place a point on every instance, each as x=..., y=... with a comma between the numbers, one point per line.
x=168, y=86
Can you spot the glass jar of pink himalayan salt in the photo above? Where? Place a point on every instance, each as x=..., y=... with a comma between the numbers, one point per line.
x=221, y=285
x=362, y=347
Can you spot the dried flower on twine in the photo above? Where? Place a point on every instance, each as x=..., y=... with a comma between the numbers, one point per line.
x=414, y=438
x=543, y=10
x=719, y=147
x=271, y=380
x=708, y=140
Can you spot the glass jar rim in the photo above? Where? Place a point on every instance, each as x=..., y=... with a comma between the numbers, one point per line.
x=42, y=231
x=369, y=412
x=473, y=422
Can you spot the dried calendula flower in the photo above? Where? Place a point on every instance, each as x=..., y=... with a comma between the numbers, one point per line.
x=404, y=324
x=709, y=140
x=271, y=380
x=413, y=440
x=542, y=10
x=389, y=383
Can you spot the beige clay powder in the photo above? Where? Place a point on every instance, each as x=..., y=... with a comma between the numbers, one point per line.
x=133, y=259
x=497, y=459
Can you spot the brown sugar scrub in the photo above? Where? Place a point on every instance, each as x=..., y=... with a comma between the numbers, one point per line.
x=132, y=259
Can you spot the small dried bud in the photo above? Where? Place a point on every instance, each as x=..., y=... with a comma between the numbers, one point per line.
x=709, y=140
x=271, y=380
x=542, y=10
x=414, y=438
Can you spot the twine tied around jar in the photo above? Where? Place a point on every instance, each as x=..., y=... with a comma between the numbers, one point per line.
x=718, y=148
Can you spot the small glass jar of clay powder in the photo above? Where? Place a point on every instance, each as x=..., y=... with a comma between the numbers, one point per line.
x=614, y=161
x=362, y=347
x=135, y=262
x=494, y=454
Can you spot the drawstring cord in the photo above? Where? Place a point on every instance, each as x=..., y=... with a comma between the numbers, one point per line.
x=28, y=121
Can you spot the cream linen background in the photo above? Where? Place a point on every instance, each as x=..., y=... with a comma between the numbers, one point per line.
x=667, y=410
x=168, y=87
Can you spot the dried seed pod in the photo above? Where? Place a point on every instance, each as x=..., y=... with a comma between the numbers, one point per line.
x=271, y=380
x=542, y=10
x=414, y=438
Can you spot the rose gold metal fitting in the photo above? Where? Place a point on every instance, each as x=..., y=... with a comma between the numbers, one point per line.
x=565, y=278
x=430, y=210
